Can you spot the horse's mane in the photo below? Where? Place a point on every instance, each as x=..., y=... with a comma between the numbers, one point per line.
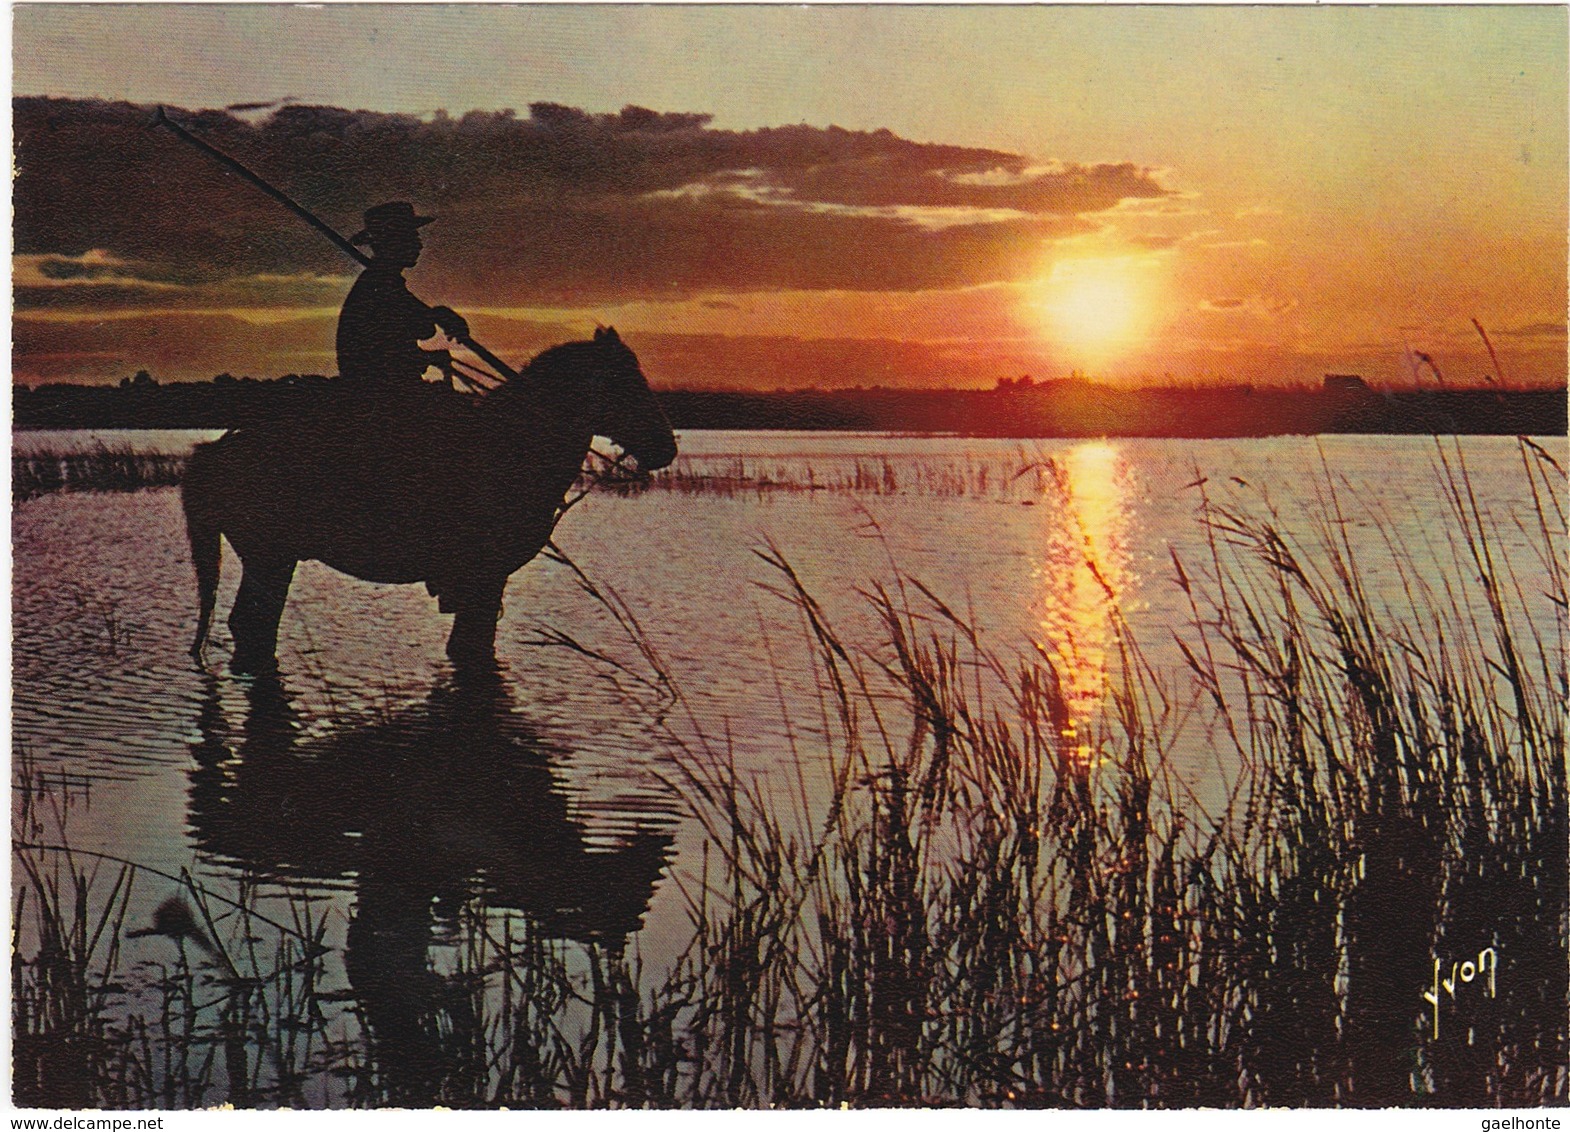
x=551, y=368
x=548, y=362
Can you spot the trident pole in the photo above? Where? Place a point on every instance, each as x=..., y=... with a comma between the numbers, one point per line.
x=343, y=245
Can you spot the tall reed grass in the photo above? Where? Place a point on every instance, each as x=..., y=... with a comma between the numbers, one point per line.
x=108, y=468
x=1023, y=477
x=104, y=468
x=996, y=906
x=970, y=895
x=222, y=1008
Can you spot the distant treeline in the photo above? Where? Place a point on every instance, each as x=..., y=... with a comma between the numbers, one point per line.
x=1068, y=408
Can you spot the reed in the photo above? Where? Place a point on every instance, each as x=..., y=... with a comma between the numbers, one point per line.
x=970, y=893
x=990, y=906
x=219, y=1005
x=1021, y=479
x=102, y=469
x=1406, y=803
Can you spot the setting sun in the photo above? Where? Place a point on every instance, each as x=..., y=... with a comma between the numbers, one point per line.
x=783, y=556
x=1095, y=307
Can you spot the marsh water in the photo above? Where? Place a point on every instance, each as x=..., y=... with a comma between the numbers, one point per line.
x=370, y=787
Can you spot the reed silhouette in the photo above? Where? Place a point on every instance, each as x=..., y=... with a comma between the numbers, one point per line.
x=445, y=802
x=962, y=899
x=416, y=485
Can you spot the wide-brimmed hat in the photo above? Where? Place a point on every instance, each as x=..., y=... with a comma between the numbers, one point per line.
x=395, y=218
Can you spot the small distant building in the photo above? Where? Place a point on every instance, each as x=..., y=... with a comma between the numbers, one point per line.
x=1345, y=384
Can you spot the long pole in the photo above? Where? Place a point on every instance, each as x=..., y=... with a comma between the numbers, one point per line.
x=313, y=220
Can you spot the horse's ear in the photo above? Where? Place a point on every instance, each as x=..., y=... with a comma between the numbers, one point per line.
x=611, y=335
x=599, y=333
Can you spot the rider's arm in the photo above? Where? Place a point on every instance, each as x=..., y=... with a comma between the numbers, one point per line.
x=450, y=321
x=423, y=321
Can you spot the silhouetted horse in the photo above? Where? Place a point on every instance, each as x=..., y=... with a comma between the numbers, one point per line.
x=418, y=486
x=442, y=802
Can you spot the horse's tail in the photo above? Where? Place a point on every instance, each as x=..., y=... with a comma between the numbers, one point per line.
x=202, y=527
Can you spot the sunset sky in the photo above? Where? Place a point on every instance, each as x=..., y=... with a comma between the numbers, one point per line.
x=771, y=197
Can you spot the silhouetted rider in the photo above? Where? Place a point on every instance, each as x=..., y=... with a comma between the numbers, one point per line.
x=382, y=325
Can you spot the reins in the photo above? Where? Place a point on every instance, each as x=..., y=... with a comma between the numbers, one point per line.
x=475, y=378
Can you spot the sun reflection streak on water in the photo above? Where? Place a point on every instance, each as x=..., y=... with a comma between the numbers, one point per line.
x=1085, y=576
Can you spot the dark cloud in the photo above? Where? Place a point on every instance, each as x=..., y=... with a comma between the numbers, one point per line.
x=186, y=345
x=1537, y=330
x=55, y=267
x=558, y=206
x=657, y=248
x=246, y=107
x=170, y=346
x=707, y=361
x=58, y=283
x=197, y=345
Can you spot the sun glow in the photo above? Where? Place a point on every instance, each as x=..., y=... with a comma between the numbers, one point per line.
x=1096, y=308
x=1086, y=574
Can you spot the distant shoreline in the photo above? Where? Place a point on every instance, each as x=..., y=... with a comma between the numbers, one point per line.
x=1050, y=410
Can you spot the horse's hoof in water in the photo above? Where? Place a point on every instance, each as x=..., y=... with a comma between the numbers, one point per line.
x=243, y=665
x=473, y=664
x=472, y=659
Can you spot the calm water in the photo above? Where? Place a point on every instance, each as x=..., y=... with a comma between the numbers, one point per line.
x=556, y=794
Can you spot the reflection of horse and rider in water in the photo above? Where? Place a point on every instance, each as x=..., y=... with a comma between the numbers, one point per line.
x=397, y=479
x=404, y=480
x=446, y=801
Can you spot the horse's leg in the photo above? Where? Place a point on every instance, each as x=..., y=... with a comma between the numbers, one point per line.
x=202, y=528
x=476, y=607
x=264, y=587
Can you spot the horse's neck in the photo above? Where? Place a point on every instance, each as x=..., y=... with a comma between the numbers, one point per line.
x=559, y=434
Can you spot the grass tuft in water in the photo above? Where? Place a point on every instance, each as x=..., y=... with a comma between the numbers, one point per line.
x=104, y=468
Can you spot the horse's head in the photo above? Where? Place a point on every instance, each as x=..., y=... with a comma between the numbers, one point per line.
x=627, y=410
